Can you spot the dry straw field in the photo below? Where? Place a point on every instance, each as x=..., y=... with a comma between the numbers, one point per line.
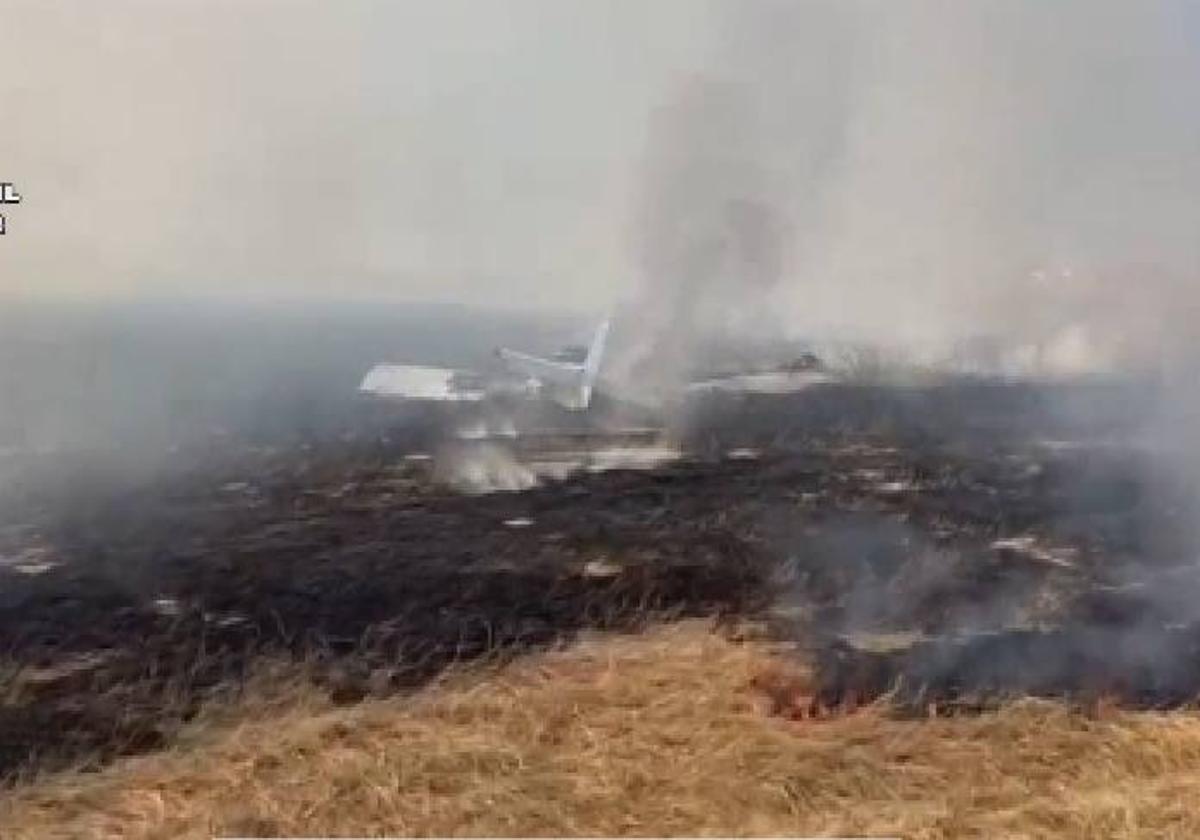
x=675, y=731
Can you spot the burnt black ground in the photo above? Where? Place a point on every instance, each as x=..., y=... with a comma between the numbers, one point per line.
x=866, y=511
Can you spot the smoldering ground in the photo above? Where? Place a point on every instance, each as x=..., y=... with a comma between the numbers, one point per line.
x=1004, y=187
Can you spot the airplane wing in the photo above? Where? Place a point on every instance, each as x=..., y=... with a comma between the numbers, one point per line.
x=416, y=382
x=567, y=383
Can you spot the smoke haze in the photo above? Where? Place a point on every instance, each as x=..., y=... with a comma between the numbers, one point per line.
x=914, y=165
x=930, y=172
x=234, y=208
x=415, y=151
x=914, y=174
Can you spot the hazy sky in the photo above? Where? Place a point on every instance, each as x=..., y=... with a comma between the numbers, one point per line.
x=923, y=156
x=414, y=149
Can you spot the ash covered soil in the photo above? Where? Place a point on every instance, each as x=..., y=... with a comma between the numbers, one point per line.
x=949, y=545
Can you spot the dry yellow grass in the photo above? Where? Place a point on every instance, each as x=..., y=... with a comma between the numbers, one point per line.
x=656, y=734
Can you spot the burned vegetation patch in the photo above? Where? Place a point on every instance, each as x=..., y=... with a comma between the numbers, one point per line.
x=936, y=564
x=149, y=603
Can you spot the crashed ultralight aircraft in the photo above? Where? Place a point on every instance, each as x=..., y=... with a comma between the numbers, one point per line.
x=567, y=379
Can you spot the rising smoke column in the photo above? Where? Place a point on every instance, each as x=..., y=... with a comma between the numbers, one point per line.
x=738, y=163
x=709, y=237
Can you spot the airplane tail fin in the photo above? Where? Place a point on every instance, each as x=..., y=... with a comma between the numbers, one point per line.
x=566, y=383
x=591, y=364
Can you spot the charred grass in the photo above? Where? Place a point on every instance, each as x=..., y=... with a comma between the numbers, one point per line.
x=326, y=642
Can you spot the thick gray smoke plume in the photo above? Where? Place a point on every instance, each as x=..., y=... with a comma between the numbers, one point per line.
x=710, y=233
x=1002, y=186
x=730, y=183
x=928, y=175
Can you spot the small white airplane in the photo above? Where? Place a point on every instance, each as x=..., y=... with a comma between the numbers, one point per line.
x=568, y=378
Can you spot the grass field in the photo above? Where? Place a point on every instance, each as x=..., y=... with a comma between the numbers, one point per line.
x=677, y=731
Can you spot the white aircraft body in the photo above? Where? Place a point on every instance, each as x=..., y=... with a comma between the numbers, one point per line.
x=565, y=379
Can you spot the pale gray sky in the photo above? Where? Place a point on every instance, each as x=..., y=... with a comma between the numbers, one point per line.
x=449, y=149
x=924, y=156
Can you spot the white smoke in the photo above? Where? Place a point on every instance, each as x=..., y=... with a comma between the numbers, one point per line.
x=924, y=174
